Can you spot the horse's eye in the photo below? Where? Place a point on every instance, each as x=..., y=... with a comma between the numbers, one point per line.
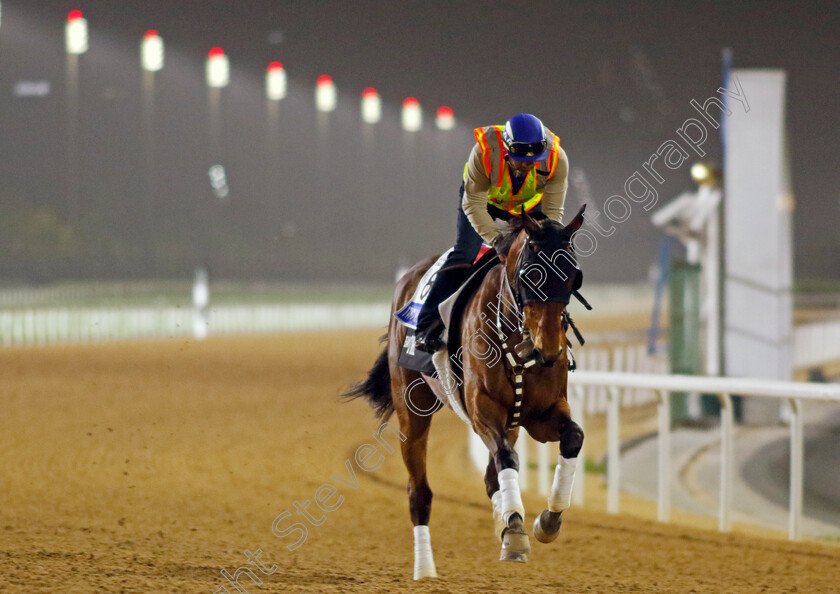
x=533, y=247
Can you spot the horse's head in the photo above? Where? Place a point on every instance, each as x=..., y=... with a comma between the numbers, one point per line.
x=543, y=274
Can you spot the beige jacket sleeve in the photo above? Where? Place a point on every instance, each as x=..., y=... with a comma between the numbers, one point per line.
x=474, y=203
x=477, y=184
x=554, y=199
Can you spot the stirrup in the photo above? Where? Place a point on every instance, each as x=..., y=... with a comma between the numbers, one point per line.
x=429, y=340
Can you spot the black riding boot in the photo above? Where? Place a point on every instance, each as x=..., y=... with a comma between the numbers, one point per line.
x=427, y=337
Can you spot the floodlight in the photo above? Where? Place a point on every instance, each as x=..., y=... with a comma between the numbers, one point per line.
x=218, y=68
x=325, y=93
x=151, y=51
x=76, y=33
x=412, y=115
x=445, y=118
x=371, y=106
x=275, y=81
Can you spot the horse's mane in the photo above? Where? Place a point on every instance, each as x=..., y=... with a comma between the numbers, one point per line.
x=515, y=227
x=537, y=229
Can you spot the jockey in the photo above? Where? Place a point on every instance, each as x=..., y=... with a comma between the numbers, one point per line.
x=512, y=169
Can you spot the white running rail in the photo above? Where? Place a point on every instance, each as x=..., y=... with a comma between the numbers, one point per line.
x=581, y=384
x=795, y=393
x=61, y=325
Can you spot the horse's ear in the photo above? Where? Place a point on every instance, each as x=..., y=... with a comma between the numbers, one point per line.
x=530, y=224
x=577, y=221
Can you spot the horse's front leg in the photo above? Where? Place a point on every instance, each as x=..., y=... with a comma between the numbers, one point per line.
x=557, y=425
x=502, y=481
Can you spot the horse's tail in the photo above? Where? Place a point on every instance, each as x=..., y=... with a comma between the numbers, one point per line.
x=376, y=388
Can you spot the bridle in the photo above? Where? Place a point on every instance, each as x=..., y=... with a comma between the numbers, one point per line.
x=523, y=355
x=518, y=293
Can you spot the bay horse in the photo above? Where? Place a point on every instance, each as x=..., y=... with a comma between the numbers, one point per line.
x=521, y=302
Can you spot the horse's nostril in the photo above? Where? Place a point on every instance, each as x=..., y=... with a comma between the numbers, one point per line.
x=541, y=359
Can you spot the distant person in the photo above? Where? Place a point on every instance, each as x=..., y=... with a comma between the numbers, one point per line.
x=512, y=169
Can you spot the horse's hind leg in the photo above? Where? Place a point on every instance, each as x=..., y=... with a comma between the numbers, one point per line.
x=558, y=426
x=420, y=502
x=502, y=481
x=416, y=429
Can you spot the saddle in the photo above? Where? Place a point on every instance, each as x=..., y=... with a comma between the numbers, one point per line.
x=451, y=310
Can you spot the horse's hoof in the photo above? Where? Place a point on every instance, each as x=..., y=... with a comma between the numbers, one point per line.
x=515, y=543
x=547, y=526
x=511, y=556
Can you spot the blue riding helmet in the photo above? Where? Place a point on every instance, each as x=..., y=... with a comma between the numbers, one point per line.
x=524, y=138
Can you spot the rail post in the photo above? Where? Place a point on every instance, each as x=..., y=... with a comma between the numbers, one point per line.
x=544, y=468
x=578, y=490
x=664, y=485
x=613, y=451
x=796, y=468
x=727, y=462
x=521, y=448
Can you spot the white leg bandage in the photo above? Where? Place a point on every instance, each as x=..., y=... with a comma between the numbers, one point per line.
x=510, y=498
x=424, y=562
x=561, y=490
x=499, y=524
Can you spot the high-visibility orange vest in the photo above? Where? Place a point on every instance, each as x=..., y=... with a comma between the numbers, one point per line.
x=501, y=194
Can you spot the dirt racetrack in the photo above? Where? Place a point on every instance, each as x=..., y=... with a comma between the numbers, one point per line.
x=152, y=466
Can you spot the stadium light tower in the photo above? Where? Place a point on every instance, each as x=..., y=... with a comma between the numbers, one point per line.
x=326, y=100
x=444, y=122
x=412, y=115
x=76, y=44
x=151, y=61
x=412, y=122
x=275, y=91
x=218, y=76
x=371, y=114
x=445, y=118
x=371, y=106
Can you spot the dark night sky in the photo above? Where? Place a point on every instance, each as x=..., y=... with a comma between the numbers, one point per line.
x=612, y=79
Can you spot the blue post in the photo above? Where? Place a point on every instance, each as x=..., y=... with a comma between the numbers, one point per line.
x=661, y=283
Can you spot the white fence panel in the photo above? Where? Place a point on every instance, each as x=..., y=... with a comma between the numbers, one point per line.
x=42, y=326
x=816, y=344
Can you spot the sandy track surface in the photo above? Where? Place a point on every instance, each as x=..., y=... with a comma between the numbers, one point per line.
x=152, y=466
